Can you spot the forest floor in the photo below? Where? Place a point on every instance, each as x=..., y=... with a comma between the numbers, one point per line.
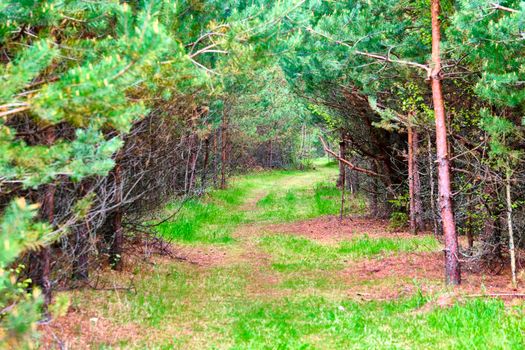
x=266, y=264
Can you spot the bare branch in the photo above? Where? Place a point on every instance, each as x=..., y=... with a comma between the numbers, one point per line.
x=387, y=58
x=347, y=162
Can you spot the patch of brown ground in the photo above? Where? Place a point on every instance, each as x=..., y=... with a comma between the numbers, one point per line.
x=78, y=330
x=330, y=229
x=403, y=274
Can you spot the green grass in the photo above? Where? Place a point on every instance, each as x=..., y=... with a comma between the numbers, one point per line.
x=212, y=310
x=200, y=221
x=319, y=323
x=278, y=291
x=285, y=195
x=291, y=253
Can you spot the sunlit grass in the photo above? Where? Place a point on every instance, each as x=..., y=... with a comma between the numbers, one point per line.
x=212, y=309
x=292, y=253
x=277, y=196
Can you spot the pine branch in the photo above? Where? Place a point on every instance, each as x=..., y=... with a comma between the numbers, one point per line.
x=503, y=8
x=387, y=58
x=347, y=162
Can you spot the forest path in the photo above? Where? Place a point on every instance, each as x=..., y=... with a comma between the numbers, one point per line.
x=266, y=264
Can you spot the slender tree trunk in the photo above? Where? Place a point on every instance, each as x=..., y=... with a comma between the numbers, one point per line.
x=411, y=190
x=414, y=183
x=417, y=184
x=452, y=266
x=342, y=153
x=193, y=167
x=192, y=152
x=270, y=155
x=215, y=158
x=116, y=249
x=470, y=237
x=374, y=205
x=303, y=142
x=205, y=162
x=431, y=185
x=511, y=232
x=342, y=178
x=224, y=144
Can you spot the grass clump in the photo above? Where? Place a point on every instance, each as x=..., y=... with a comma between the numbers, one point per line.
x=292, y=253
x=199, y=221
x=366, y=246
x=319, y=323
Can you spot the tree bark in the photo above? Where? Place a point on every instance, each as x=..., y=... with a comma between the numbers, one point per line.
x=511, y=233
x=342, y=153
x=452, y=266
x=414, y=183
x=205, y=162
x=224, y=144
x=431, y=185
x=342, y=177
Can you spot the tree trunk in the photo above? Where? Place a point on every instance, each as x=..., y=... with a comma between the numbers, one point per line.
x=215, y=158
x=342, y=177
x=270, y=154
x=116, y=249
x=452, y=266
x=431, y=185
x=374, y=205
x=511, y=233
x=224, y=143
x=342, y=153
x=205, y=162
x=414, y=183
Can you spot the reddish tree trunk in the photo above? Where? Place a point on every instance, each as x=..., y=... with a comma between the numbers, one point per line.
x=452, y=267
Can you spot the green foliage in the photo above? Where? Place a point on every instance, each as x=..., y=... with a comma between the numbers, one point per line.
x=19, y=310
x=94, y=69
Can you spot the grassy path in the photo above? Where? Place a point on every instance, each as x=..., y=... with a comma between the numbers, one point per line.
x=263, y=265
